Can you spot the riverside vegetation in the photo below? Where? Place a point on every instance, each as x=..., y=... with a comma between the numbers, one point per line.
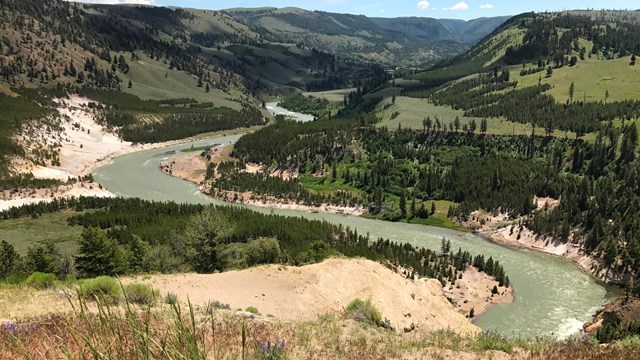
x=129, y=236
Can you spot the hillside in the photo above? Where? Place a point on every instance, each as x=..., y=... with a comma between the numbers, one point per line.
x=153, y=74
x=389, y=41
x=554, y=38
x=454, y=30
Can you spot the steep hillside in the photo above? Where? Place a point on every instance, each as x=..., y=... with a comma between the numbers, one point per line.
x=537, y=41
x=400, y=41
x=192, y=70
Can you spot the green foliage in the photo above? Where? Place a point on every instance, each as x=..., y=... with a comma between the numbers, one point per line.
x=202, y=236
x=492, y=341
x=140, y=294
x=364, y=311
x=217, y=305
x=228, y=236
x=306, y=104
x=10, y=260
x=252, y=309
x=438, y=167
x=26, y=181
x=171, y=299
x=46, y=259
x=41, y=280
x=100, y=255
x=319, y=250
x=105, y=289
x=14, y=112
x=262, y=251
x=177, y=120
x=610, y=331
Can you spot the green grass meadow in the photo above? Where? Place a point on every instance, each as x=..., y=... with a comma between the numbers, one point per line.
x=28, y=232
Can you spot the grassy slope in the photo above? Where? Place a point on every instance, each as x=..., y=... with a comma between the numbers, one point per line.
x=440, y=218
x=216, y=22
x=592, y=78
x=413, y=111
x=27, y=232
x=149, y=82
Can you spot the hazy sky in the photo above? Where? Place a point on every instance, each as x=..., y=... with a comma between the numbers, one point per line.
x=466, y=9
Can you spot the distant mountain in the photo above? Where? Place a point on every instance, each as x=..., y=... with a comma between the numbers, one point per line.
x=407, y=41
x=460, y=31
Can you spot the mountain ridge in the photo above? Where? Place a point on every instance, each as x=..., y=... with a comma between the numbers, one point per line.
x=390, y=41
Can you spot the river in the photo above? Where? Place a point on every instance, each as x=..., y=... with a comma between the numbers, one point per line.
x=552, y=296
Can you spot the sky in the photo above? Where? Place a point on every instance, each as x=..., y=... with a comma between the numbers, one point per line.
x=451, y=9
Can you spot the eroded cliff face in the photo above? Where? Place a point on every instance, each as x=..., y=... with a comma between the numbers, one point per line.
x=620, y=312
x=304, y=293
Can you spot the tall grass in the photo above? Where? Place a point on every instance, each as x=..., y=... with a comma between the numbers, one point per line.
x=186, y=332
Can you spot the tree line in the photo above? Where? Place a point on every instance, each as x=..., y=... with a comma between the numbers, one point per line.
x=123, y=236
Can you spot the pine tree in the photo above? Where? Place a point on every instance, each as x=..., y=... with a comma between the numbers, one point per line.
x=201, y=237
x=572, y=89
x=99, y=255
x=433, y=207
x=403, y=204
x=9, y=260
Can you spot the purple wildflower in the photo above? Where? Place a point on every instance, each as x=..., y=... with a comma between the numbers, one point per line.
x=15, y=329
x=282, y=345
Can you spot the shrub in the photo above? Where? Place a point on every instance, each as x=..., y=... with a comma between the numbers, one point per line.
x=140, y=294
x=215, y=304
x=103, y=288
x=253, y=310
x=15, y=279
x=364, y=311
x=41, y=280
x=262, y=251
x=319, y=250
x=171, y=299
